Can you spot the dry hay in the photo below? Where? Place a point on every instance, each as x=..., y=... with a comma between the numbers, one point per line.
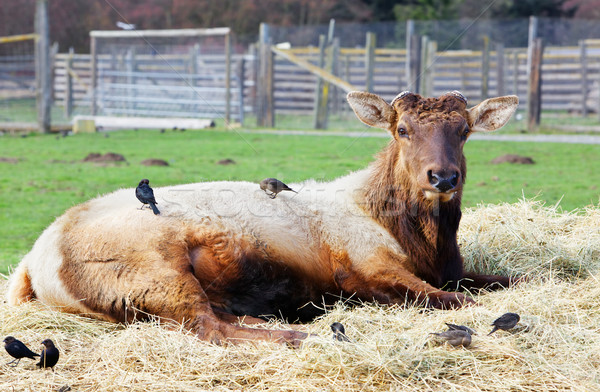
x=555, y=347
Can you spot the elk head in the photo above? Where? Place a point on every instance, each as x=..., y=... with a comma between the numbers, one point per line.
x=430, y=134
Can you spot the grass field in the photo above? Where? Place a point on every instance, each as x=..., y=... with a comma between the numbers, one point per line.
x=49, y=176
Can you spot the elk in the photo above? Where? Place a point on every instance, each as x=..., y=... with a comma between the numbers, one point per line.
x=219, y=250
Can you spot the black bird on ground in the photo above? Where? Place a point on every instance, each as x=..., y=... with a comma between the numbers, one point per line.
x=17, y=349
x=455, y=337
x=454, y=327
x=505, y=322
x=274, y=186
x=339, y=332
x=145, y=194
x=49, y=355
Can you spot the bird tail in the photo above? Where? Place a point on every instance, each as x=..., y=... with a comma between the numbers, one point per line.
x=493, y=330
x=154, y=208
x=19, y=286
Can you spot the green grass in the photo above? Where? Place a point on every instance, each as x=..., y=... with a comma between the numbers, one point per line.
x=50, y=177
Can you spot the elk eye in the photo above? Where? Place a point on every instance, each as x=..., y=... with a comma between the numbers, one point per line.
x=465, y=132
x=402, y=132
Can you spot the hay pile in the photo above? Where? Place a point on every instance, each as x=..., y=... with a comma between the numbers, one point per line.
x=555, y=347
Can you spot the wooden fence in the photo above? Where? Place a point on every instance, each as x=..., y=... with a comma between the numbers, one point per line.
x=570, y=77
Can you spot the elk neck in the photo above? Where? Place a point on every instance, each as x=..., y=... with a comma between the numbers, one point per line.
x=425, y=229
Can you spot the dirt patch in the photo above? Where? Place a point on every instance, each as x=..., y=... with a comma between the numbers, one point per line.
x=106, y=158
x=154, y=162
x=226, y=162
x=513, y=158
x=9, y=160
x=59, y=161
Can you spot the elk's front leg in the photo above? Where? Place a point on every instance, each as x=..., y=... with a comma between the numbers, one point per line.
x=399, y=286
x=473, y=281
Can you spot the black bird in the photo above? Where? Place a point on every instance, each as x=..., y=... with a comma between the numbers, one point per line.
x=339, y=332
x=455, y=337
x=274, y=186
x=17, y=349
x=454, y=327
x=505, y=322
x=49, y=355
x=145, y=194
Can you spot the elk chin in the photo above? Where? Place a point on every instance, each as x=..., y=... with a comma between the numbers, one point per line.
x=438, y=196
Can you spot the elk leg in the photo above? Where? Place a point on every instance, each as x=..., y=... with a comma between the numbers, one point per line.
x=233, y=319
x=473, y=281
x=177, y=295
x=399, y=287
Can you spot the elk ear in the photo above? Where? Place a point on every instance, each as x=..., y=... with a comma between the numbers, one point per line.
x=492, y=113
x=372, y=109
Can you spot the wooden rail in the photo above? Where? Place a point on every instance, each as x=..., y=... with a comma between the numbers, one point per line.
x=295, y=75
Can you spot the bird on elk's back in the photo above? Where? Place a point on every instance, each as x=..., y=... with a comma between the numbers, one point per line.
x=145, y=194
x=17, y=349
x=49, y=355
x=505, y=322
x=274, y=186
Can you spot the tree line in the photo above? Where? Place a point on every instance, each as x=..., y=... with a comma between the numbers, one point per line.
x=71, y=20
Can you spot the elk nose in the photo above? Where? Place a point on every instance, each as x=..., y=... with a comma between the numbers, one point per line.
x=441, y=182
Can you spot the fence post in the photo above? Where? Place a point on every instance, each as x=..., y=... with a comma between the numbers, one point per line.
x=253, y=57
x=414, y=64
x=534, y=94
x=428, y=49
x=422, y=86
x=94, y=75
x=347, y=60
x=323, y=87
x=516, y=72
x=335, y=70
x=228, y=78
x=369, y=60
x=265, y=114
x=500, y=91
x=485, y=68
x=69, y=84
x=410, y=31
x=240, y=79
x=43, y=66
x=584, y=81
x=317, y=124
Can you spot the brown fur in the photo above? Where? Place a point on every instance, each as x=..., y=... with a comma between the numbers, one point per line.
x=122, y=264
x=426, y=229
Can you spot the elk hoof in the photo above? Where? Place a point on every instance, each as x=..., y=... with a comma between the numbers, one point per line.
x=294, y=339
x=455, y=300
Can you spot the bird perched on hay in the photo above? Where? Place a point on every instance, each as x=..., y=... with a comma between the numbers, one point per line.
x=49, y=355
x=145, y=194
x=339, y=332
x=455, y=337
x=454, y=327
x=17, y=349
x=505, y=322
x=274, y=186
